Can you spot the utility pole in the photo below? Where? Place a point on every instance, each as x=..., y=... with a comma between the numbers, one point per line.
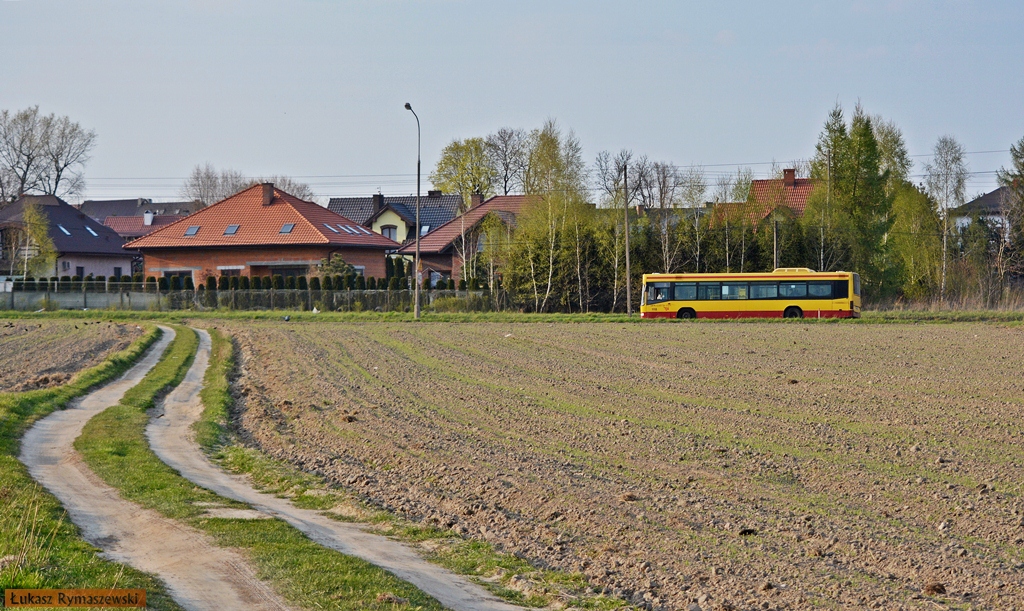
x=828, y=203
x=625, y=197
x=775, y=242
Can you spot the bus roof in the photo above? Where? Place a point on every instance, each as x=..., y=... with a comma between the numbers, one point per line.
x=782, y=272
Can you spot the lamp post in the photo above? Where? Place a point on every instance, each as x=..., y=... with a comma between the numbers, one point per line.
x=416, y=265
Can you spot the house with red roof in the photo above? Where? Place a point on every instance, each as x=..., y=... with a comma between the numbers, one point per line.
x=261, y=231
x=768, y=195
x=441, y=250
x=132, y=227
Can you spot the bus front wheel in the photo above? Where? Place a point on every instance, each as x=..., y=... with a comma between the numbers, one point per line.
x=686, y=313
x=793, y=312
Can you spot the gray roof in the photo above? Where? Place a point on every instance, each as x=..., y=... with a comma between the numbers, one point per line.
x=989, y=204
x=435, y=209
x=76, y=237
x=101, y=209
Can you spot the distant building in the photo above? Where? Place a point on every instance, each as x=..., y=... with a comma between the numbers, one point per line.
x=395, y=217
x=132, y=227
x=261, y=231
x=84, y=247
x=99, y=210
x=441, y=248
x=988, y=207
x=770, y=195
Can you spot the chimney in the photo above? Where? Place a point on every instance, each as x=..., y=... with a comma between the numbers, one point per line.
x=789, y=177
x=268, y=193
x=433, y=194
x=147, y=218
x=475, y=200
x=378, y=202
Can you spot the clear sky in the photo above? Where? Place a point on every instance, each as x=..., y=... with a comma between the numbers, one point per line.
x=315, y=89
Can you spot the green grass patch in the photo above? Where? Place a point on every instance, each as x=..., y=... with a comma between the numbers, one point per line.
x=114, y=445
x=211, y=428
x=39, y=546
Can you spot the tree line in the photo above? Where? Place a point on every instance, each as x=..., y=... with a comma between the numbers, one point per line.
x=567, y=251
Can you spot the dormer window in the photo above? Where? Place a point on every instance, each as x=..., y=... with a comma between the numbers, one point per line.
x=287, y=227
x=390, y=232
x=89, y=229
x=231, y=230
x=61, y=227
x=191, y=231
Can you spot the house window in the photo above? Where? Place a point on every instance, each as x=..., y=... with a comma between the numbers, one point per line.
x=287, y=227
x=231, y=230
x=80, y=272
x=390, y=232
x=191, y=231
x=65, y=266
x=117, y=273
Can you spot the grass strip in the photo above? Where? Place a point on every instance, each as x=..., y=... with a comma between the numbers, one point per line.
x=184, y=316
x=114, y=445
x=39, y=546
x=510, y=577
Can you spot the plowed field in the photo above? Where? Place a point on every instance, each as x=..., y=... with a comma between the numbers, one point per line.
x=735, y=466
x=41, y=353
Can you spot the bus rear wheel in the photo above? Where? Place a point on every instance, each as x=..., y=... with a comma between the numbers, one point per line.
x=793, y=312
x=686, y=313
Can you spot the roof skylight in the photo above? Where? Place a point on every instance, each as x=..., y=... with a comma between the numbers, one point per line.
x=331, y=228
x=61, y=227
x=192, y=230
x=231, y=230
x=89, y=229
x=346, y=228
x=364, y=230
x=287, y=227
x=424, y=230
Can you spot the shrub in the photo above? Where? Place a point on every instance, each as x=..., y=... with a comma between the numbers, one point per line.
x=393, y=284
x=360, y=283
x=314, y=283
x=53, y=283
x=278, y=281
x=339, y=283
x=211, y=283
x=128, y=279
x=255, y=283
x=161, y=284
x=243, y=283
x=389, y=268
x=151, y=284
x=462, y=285
x=398, y=268
x=371, y=284
x=175, y=284
x=474, y=284
x=289, y=283
x=189, y=285
x=137, y=277
x=233, y=283
x=223, y=283
x=301, y=283
x=267, y=283
x=328, y=283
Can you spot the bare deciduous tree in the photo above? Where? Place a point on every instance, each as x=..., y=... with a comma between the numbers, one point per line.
x=693, y=192
x=42, y=154
x=207, y=185
x=947, y=183
x=507, y=152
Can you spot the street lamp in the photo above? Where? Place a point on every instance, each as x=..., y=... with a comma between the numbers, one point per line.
x=417, y=281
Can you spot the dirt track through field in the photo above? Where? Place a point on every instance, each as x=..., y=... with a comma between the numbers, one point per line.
x=171, y=438
x=199, y=574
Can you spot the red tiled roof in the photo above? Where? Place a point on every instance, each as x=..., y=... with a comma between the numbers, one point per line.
x=134, y=227
x=769, y=194
x=441, y=238
x=260, y=225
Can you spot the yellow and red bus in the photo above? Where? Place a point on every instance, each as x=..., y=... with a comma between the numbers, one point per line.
x=794, y=292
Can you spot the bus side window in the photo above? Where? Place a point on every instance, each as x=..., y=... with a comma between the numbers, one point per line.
x=709, y=290
x=686, y=291
x=840, y=289
x=658, y=291
x=764, y=290
x=819, y=290
x=792, y=289
x=734, y=290
x=856, y=285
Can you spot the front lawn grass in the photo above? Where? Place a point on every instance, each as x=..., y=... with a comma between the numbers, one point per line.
x=39, y=545
x=115, y=447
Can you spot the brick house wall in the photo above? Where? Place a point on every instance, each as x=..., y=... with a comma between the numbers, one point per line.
x=255, y=261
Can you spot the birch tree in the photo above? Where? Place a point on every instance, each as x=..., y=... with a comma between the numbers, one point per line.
x=947, y=184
